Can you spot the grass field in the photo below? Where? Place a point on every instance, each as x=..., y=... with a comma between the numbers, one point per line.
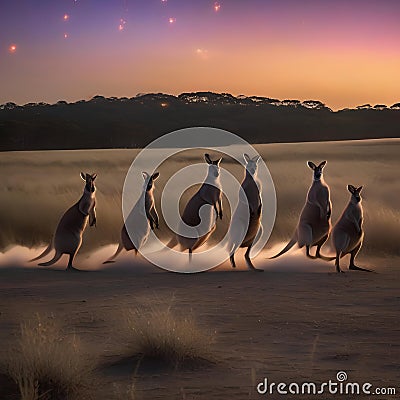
x=37, y=187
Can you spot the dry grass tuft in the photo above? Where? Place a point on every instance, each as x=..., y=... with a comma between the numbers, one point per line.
x=47, y=365
x=161, y=335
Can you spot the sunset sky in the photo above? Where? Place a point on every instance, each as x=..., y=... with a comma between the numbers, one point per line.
x=342, y=52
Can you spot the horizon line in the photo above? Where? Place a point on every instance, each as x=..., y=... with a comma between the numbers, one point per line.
x=236, y=96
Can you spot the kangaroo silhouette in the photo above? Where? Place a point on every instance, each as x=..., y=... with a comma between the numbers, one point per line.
x=251, y=187
x=314, y=223
x=67, y=238
x=348, y=233
x=208, y=193
x=142, y=226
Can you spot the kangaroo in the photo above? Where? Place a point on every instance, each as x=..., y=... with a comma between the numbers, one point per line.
x=254, y=228
x=145, y=203
x=314, y=224
x=209, y=193
x=68, y=236
x=348, y=234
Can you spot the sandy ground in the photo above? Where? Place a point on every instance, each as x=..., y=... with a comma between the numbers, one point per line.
x=298, y=321
x=302, y=323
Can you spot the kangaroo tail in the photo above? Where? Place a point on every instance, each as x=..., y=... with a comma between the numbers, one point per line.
x=111, y=259
x=56, y=257
x=45, y=252
x=173, y=242
x=292, y=242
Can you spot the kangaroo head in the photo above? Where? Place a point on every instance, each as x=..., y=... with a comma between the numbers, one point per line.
x=355, y=193
x=89, y=179
x=317, y=169
x=251, y=163
x=213, y=166
x=149, y=179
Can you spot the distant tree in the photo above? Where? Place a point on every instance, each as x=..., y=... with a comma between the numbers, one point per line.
x=292, y=103
x=314, y=104
x=61, y=103
x=97, y=99
x=380, y=106
x=395, y=106
x=364, y=107
x=9, y=106
x=274, y=102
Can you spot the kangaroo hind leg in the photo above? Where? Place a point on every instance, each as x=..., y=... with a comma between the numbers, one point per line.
x=337, y=262
x=248, y=261
x=308, y=253
x=232, y=260
x=70, y=267
x=319, y=245
x=305, y=238
x=353, y=254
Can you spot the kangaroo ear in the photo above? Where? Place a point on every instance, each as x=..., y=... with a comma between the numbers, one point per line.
x=256, y=159
x=145, y=175
x=311, y=165
x=94, y=176
x=322, y=165
x=155, y=176
x=207, y=158
x=218, y=161
x=83, y=176
x=246, y=158
x=351, y=188
x=359, y=189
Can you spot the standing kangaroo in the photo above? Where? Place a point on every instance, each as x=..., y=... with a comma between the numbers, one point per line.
x=209, y=193
x=136, y=218
x=254, y=228
x=68, y=236
x=314, y=224
x=348, y=234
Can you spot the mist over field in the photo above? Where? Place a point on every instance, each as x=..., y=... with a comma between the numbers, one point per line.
x=37, y=187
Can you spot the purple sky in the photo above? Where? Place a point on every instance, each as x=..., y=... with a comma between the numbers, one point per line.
x=344, y=53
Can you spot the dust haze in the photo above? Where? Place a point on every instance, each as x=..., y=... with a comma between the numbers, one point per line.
x=37, y=187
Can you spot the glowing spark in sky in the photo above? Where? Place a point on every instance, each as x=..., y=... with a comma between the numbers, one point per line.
x=65, y=35
x=12, y=48
x=203, y=53
x=164, y=1
x=66, y=17
x=121, y=25
x=217, y=6
x=172, y=20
